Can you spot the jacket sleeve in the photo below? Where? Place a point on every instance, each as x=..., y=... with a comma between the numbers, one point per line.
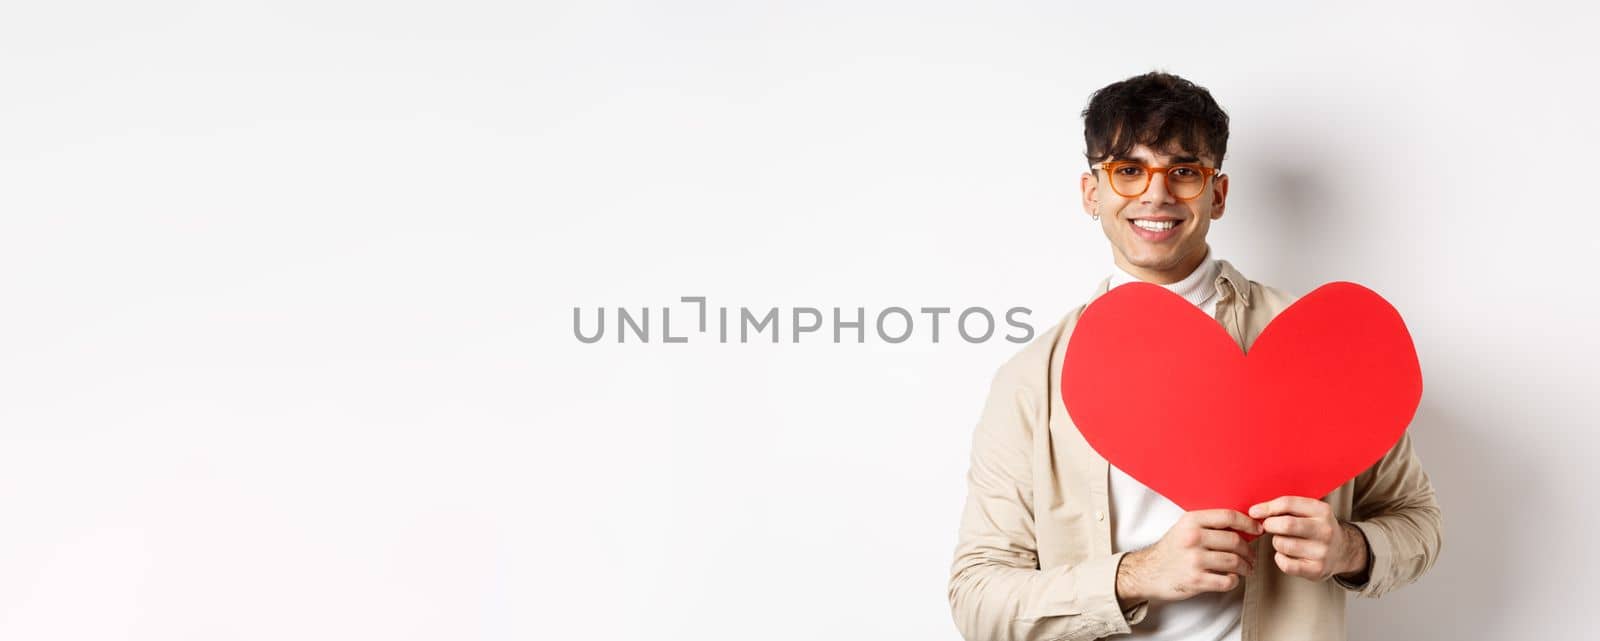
x=1395, y=507
x=997, y=591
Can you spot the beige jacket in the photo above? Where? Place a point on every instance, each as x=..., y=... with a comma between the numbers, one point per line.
x=1034, y=559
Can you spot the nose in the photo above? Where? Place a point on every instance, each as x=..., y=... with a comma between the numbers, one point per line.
x=1157, y=191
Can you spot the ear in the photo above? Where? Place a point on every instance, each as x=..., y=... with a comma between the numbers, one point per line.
x=1219, y=196
x=1091, y=195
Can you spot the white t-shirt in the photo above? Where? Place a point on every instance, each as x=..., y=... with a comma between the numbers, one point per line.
x=1139, y=516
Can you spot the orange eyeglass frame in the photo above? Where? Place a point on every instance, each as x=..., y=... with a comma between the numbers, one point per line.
x=1112, y=165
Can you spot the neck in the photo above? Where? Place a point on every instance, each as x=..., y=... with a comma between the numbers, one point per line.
x=1164, y=277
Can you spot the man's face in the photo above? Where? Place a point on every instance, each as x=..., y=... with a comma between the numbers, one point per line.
x=1156, y=256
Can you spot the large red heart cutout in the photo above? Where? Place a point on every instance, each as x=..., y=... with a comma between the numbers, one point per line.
x=1162, y=392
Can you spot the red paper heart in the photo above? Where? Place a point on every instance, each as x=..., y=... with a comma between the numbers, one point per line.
x=1162, y=392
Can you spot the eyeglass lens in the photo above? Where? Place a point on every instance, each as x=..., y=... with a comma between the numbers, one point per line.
x=1183, y=181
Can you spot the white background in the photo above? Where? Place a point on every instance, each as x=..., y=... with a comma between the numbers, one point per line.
x=286, y=349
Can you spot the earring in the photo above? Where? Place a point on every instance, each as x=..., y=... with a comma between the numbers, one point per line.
x=1097, y=216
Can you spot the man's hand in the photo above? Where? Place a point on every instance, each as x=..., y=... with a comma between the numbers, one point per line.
x=1309, y=541
x=1201, y=553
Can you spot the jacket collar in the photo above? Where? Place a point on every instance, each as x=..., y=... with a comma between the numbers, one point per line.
x=1228, y=278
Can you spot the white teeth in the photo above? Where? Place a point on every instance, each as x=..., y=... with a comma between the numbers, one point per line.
x=1155, y=226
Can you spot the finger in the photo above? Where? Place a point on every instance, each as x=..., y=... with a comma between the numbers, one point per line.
x=1296, y=505
x=1221, y=519
x=1310, y=569
x=1290, y=566
x=1229, y=562
x=1282, y=525
x=1213, y=582
x=1224, y=541
x=1296, y=548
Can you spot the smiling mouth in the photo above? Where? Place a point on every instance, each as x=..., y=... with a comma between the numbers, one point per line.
x=1155, y=226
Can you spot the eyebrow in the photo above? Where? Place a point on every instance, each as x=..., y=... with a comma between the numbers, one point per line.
x=1175, y=159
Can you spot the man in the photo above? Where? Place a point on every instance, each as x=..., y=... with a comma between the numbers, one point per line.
x=1056, y=544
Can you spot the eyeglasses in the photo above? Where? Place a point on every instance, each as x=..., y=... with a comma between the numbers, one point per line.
x=1130, y=178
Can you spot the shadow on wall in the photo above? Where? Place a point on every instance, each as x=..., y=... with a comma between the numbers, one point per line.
x=1297, y=211
x=1315, y=204
x=1460, y=596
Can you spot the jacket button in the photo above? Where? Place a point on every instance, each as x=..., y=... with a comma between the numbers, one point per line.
x=1099, y=516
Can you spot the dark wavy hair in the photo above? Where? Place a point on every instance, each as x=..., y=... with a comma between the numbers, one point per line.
x=1156, y=109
